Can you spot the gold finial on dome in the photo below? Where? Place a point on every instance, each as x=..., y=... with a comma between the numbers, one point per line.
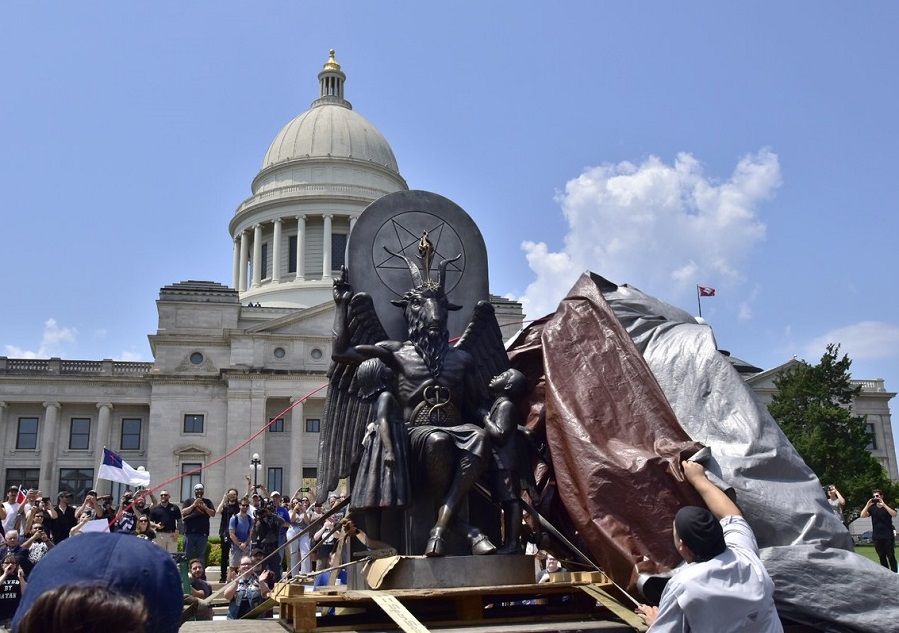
x=331, y=64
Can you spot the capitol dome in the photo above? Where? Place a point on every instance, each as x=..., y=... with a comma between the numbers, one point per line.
x=319, y=173
x=330, y=130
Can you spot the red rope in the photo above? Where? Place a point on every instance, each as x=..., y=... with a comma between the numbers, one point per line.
x=222, y=458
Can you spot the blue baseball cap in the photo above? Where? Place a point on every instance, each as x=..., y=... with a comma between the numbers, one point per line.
x=121, y=563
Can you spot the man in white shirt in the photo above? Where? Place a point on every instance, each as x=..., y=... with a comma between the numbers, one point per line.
x=724, y=587
x=11, y=508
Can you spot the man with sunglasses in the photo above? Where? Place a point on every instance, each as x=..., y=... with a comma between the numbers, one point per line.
x=882, y=533
x=240, y=530
x=166, y=520
x=61, y=517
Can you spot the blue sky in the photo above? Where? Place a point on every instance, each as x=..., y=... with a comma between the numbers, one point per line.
x=748, y=148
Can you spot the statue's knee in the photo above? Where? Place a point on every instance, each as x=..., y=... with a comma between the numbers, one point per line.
x=438, y=443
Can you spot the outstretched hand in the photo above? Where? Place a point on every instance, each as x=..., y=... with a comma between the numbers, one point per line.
x=343, y=292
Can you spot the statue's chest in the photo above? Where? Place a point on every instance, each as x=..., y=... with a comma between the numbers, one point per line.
x=414, y=373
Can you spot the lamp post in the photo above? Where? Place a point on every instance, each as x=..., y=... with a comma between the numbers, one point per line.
x=255, y=464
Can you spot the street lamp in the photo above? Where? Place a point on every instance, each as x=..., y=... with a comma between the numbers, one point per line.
x=255, y=465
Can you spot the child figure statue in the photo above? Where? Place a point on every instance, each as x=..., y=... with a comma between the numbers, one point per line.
x=382, y=478
x=510, y=464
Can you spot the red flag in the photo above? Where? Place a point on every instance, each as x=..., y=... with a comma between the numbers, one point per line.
x=705, y=291
x=21, y=497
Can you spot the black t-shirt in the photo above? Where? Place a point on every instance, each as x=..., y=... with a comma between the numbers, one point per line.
x=62, y=524
x=881, y=523
x=10, y=596
x=197, y=522
x=228, y=511
x=165, y=515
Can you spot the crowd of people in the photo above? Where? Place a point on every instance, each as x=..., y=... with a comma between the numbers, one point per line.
x=255, y=527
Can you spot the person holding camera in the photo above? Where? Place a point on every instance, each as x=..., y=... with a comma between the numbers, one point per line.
x=266, y=527
x=61, y=517
x=836, y=501
x=882, y=533
x=299, y=547
x=228, y=508
x=41, y=543
x=195, y=515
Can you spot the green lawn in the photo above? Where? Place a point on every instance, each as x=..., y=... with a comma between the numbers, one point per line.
x=868, y=552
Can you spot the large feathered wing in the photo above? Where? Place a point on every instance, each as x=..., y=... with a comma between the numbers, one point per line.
x=483, y=340
x=346, y=414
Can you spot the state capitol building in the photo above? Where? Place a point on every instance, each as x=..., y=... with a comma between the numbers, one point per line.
x=229, y=359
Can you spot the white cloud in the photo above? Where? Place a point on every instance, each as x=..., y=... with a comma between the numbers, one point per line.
x=865, y=340
x=53, y=341
x=744, y=312
x=660, y=227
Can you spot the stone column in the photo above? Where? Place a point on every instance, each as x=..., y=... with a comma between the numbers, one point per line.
x=301, y=238
x=3, y=429
x=346, y=255
x=326, y=247
x=48, y=444
x=104, y=424
x=276, y=252
x=244, y=247
x=257, y=255
x=236, y=265
x=297, y=430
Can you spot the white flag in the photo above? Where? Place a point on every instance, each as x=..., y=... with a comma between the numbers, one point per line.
x=114, y=468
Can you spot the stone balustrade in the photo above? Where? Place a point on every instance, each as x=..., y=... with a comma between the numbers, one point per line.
x=60, y=367
x=875, y=385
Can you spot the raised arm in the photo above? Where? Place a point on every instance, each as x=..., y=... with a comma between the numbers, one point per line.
x=342, y=351
x=718, y=502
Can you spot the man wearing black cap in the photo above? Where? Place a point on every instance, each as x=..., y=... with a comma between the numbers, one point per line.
x=195, y=515
x=724, y=586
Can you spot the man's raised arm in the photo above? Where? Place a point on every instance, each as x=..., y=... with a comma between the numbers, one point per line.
x=714, y=498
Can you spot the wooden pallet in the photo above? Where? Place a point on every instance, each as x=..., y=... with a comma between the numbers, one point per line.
x=418, y=610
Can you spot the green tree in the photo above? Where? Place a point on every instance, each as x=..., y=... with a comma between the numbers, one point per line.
x=813, y=407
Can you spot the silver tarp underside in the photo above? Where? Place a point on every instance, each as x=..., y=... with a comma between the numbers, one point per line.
x=806, y=549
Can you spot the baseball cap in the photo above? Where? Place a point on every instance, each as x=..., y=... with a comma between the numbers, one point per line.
x=199, y=487
x=118, y=562
x=276, y=494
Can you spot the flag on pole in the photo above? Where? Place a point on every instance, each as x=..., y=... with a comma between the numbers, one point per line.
x=21, y=497
x=114, y=468
x=705, y=291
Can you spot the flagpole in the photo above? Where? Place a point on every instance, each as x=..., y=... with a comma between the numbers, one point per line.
x=699, y=300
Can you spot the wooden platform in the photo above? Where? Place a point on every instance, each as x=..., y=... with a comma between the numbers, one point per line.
x=576, y=605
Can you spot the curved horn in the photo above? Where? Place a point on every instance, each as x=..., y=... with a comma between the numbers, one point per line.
x=442, y=268
x=413, y=269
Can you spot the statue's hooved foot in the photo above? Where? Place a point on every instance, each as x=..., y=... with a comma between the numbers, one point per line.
x=436, y=542
x=480, y=544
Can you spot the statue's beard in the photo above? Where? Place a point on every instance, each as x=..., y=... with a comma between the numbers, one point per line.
x=431, y=345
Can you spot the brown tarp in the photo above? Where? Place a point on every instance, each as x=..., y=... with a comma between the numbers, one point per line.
x=614, y=443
